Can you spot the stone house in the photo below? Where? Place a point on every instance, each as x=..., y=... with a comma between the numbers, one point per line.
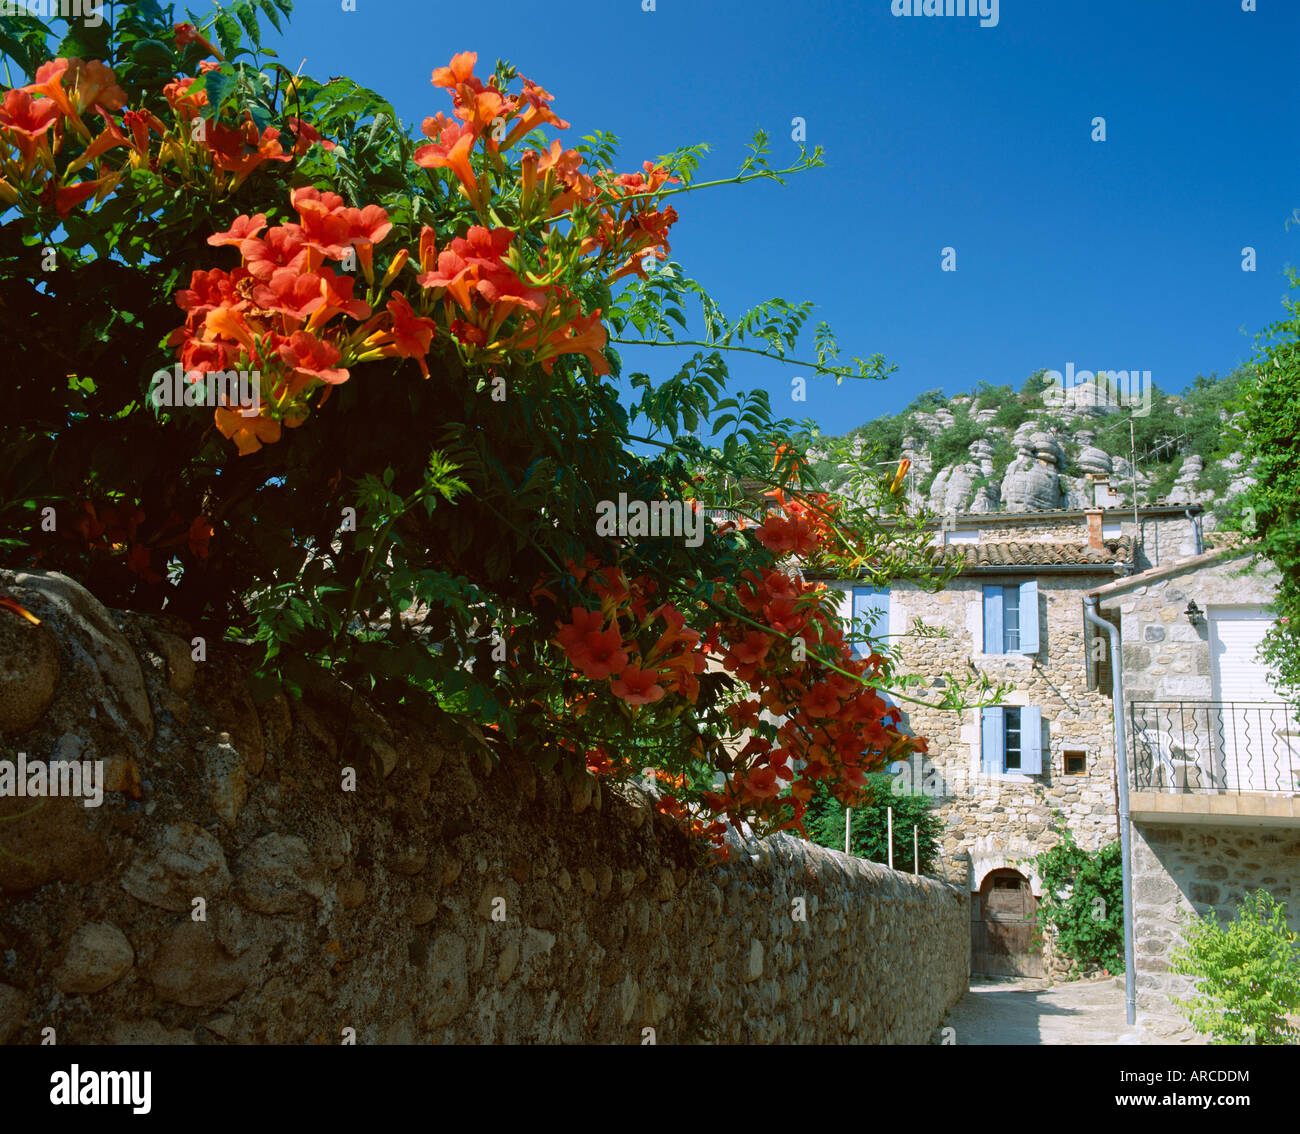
x=1005, y=776
x=1214, y=754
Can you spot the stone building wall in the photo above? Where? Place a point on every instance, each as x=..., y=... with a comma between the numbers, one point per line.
x=1026, y=529
x=1185, y=865
x=1001, y=820
x=1164, y=539
x=229, y=890
x=1180, y=870
x=1165, y=656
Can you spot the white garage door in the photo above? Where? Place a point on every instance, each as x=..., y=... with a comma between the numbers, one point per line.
x=1235, y=635
x=1255, y=724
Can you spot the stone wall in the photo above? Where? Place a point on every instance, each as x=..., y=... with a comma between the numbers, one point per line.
x=231, y=890
x=1166, y=658
x=1180, y=870
x=1164, y=539
x=1029, y=529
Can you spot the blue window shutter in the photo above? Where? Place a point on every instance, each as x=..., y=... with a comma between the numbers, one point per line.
x=870, y=615
x=992, y=619
x=1029, y=617
x=844, y=599
x=993, y=757
x=1031, y=740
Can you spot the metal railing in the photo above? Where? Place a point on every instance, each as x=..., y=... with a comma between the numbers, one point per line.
x=723, y=515
x=1215, y=747
x=720, y=515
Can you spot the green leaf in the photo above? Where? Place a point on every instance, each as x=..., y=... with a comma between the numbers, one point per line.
x=24, y=38
x=271, y=14
x=87, y=42
x=218, y=85
x=261, y=117
x=247, y=16
x=228, y=34
x=153, y=53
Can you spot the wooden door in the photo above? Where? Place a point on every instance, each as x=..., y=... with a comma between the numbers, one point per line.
x=1004, y=920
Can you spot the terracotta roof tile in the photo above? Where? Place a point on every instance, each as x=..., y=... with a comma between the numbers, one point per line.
x=1042, y=554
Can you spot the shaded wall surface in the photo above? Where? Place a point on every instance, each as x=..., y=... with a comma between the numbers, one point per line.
x=1203, y=870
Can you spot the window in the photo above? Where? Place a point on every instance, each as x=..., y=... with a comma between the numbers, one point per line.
x=1076, y=763
x=1011, y=618
x=1011, y=740
x=870, y=615
x=868, y=608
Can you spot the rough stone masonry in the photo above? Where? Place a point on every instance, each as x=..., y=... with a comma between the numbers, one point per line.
x=228, y=890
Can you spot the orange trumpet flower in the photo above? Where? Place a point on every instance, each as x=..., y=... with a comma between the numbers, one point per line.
x=10, y=604
x=896, y=485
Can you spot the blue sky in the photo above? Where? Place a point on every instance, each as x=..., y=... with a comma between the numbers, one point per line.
x=1123, y=254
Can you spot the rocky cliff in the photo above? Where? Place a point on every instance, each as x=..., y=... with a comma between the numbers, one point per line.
x=996, y=450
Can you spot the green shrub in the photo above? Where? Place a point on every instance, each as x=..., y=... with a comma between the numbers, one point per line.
x=869, y=838
x=952, y=446
x=1247, y=973
x=1083, y=901
x=417, y=500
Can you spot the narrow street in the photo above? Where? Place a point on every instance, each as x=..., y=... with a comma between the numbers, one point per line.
x=1007, y=1010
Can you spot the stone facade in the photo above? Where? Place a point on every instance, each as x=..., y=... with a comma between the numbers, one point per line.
x=1013, y=527
x=1163, y=534
x=1191, y=862
x=228, y=891
x=1181, y=870
x=1166, y=658
x=999, y=821
x=1165, y=537
x=1003, y=821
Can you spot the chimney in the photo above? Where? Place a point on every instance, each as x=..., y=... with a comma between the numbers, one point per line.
x=1094, y=528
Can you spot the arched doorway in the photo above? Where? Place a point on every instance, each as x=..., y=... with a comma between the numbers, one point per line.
x=1004, y=921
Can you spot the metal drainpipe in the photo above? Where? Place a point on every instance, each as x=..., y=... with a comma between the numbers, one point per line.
x=1196, y=531
x=1121, y=777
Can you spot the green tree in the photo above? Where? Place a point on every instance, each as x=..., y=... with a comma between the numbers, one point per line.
x=1247, y=973
x=869, y=837
x=952, y=446
x=1210, y=403
x=1270, y=511
x=1031, y=391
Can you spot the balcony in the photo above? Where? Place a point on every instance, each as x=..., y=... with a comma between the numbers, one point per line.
x=721, y=515
x=1229, y=762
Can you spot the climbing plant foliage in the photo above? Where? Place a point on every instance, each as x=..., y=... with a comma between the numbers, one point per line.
x=1083, y=901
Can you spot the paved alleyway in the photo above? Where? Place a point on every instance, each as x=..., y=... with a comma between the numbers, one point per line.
x=1010, y=1011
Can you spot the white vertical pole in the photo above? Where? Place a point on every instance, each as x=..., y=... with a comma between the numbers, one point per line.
x=889, y=812
x=916, y=849
x=848, y=821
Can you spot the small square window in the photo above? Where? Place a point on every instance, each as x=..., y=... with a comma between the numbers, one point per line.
x=1076, y=763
